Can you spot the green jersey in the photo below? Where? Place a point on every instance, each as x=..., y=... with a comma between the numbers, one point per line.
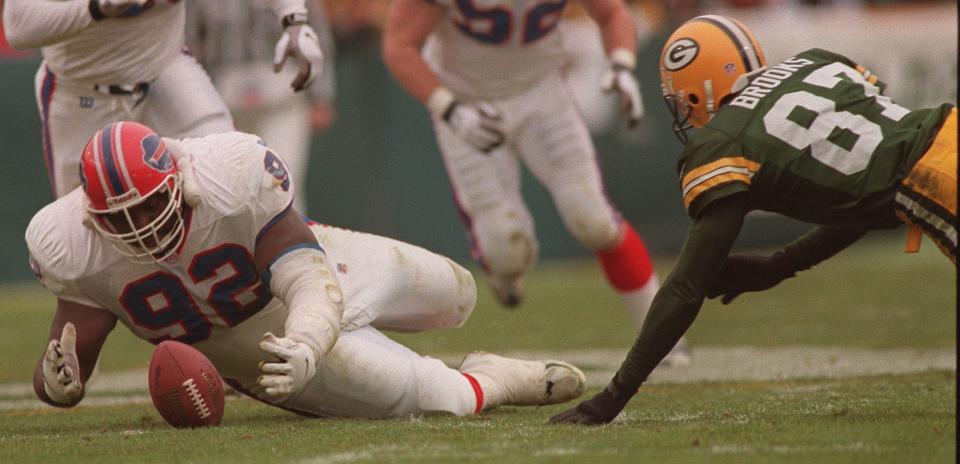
x=812, y=138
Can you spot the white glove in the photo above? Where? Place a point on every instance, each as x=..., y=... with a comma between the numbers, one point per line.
x=184, y=161
x=298, y=366
x=477, y=123
x=61, y=368
x=620, y=78
x=300, y=42
x=101, y=9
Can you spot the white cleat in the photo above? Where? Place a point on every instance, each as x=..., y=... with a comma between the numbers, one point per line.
x=515, y=382
x=508, y=290
x=679, y=356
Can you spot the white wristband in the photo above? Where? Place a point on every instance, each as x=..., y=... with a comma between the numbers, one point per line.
x=623, y=57
x=439, y=100
x=283, y=8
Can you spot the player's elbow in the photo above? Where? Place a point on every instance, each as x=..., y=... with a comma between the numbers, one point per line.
x=14, y=32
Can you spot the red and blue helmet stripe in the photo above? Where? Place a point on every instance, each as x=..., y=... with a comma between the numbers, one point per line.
x=121, y=162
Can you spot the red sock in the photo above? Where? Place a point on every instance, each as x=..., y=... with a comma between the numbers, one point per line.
x=476, y=391
x=627, y=265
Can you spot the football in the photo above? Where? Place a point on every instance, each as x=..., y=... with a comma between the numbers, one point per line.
x=185, y=387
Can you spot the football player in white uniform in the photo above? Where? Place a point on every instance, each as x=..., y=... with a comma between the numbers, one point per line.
x=195, y=240
x=109, y=60
x=489, y=73
x=234, y=43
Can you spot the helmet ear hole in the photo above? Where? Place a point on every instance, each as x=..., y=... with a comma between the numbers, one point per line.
x=693, y=98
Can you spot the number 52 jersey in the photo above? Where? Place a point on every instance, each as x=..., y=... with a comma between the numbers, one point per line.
x=201, y=296
x=812, y=138
x=495, y=48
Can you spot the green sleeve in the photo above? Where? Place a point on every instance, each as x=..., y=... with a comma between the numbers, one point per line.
x=677, y=303
x=816, y=246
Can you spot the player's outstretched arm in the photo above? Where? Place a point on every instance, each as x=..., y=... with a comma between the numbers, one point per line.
x=674, y=309
x=298, y=272
x=753, y=272
x=34, y=24
x=618, y=32
x=76, y=337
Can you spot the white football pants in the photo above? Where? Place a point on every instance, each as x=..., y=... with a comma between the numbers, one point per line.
x=544, y=129
x=181, y=102
x=388, y=285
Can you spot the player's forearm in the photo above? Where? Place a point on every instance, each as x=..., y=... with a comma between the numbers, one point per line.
x=816, y=246
x=305, y=282
x=38, y=23
x=678, y=302
x=411, y=71
x=617, y=30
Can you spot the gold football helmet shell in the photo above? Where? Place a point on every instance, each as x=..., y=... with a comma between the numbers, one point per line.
x=701, y=64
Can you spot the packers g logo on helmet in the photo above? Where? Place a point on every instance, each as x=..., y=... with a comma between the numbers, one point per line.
x=700, y=65
x=680, y=53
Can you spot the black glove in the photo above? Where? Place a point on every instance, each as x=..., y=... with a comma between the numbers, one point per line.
x=601, y=409
x=750, y=273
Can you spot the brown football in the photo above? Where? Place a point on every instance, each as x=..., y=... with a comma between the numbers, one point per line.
x=185, y=387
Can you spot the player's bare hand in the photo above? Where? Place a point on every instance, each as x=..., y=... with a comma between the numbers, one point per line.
x=477, y=123
x=296, y=364
x=61, y=368
x=299, y=41
x=101, y=9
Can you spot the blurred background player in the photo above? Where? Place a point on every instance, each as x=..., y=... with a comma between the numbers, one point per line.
x=812, y=138
x=490, y=77
x=108, y=60
x=196, y=240
x=234, y=41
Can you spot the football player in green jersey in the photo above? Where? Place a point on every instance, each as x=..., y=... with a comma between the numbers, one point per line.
x=812, y=138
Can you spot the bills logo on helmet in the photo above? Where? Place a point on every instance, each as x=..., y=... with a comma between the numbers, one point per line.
x=680, y=54
x=153, y=155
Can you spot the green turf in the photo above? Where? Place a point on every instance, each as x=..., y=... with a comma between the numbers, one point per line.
x=871, y=296
x=879, y=419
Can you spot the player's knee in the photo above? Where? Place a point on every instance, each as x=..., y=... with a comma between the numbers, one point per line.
x=596, y=230
x=466, y=295
x=508, y=251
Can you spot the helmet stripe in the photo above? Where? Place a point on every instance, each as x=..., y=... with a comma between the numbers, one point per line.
x=748, y=52
x=110, y=163
x=122, y=160
x=98, y=164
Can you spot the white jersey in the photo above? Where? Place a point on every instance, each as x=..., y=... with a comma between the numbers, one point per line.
x=210, y=295
x=494, y=48
x=112, y=51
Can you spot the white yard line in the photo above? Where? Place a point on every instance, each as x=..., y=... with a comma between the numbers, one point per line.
x=710, y=364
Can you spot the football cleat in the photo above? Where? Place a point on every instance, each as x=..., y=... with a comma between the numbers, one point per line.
x=515, y=382
x=508, y=290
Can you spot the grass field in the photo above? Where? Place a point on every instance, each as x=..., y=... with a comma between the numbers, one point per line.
x=853, y=361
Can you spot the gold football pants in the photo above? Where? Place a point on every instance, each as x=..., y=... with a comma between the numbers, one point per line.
x=927, y=197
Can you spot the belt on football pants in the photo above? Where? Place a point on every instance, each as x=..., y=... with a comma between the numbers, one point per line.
x=138, y=90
